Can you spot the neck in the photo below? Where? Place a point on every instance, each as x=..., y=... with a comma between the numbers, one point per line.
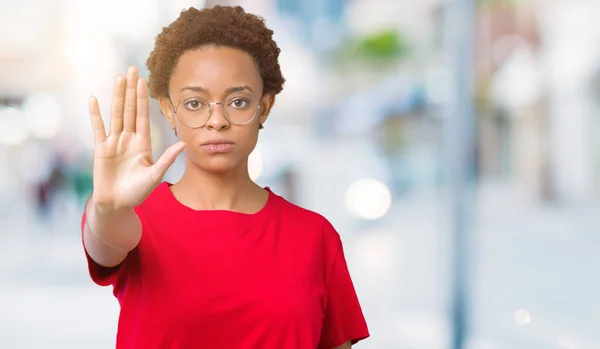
x=232, y=190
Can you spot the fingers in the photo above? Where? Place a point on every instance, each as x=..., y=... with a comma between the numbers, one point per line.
x=116, y=110
x=130, y=100
x=167, y=159
x=96, y=118
x=142, y=127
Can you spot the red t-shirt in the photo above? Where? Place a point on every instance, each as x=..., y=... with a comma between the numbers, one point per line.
x=220, y=279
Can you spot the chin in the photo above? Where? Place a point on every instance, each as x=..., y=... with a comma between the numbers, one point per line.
x=217, y=164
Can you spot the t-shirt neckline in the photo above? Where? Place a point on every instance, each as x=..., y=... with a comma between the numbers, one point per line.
x=165, y=188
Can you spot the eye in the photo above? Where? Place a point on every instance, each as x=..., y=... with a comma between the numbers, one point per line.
x=240, y=103
x=193, y=104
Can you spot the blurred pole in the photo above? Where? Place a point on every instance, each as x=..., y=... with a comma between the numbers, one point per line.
x=459, y=131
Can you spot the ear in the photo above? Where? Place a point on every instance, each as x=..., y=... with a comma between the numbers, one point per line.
x=167, y=109
x=266, y=103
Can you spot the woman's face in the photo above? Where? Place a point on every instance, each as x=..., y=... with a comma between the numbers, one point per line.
x=216, y=75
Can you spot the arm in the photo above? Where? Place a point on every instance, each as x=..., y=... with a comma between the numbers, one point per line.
x=109, y=235
x=346, y=345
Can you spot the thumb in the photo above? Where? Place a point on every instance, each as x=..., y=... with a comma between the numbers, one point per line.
x=168, y=158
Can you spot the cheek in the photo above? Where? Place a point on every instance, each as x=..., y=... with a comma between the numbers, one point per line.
x=249, y=140
x=184, y=133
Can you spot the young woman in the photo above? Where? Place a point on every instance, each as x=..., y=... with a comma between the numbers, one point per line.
x=214, y=260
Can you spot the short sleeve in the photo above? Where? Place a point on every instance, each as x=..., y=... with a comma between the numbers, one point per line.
x=102, y=276
x=344, y=320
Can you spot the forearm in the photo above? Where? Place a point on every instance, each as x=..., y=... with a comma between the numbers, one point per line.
x=347, y=345
x=110, y=234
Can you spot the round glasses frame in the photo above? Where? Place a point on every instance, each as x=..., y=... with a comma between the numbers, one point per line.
x=210, y=112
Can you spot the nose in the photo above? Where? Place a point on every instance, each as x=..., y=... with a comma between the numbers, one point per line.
x=217, y=119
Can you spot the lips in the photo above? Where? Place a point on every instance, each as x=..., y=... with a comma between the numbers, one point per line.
x=217, y=141
x=218, y=146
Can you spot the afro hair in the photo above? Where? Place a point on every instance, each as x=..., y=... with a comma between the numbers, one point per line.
x=221, y=26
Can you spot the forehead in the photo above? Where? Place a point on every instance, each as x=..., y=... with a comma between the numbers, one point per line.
x=215, y=69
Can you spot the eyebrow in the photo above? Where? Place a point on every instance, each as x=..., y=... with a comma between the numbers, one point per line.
x=228, y=91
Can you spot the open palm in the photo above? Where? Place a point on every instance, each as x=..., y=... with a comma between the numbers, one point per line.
x=124, y=172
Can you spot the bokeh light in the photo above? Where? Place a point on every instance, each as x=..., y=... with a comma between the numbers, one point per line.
x=368, y=199
x=12, y=127
x=522, y=317
x=42, y=115
x=255, y=164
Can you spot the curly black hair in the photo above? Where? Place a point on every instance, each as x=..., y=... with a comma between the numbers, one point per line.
x=223, y=26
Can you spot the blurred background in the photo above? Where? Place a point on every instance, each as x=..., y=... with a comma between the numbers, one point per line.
x=367, y=133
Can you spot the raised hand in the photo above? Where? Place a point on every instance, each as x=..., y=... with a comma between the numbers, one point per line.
x=124, y=172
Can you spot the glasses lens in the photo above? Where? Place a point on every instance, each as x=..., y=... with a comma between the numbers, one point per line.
x=240, y=108
x=193, y=112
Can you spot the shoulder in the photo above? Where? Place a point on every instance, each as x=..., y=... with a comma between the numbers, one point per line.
x=306, y=221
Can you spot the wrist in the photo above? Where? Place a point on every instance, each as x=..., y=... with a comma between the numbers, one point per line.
x=107, y=210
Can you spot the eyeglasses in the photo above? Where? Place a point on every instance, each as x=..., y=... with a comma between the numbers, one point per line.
x=194, y=112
